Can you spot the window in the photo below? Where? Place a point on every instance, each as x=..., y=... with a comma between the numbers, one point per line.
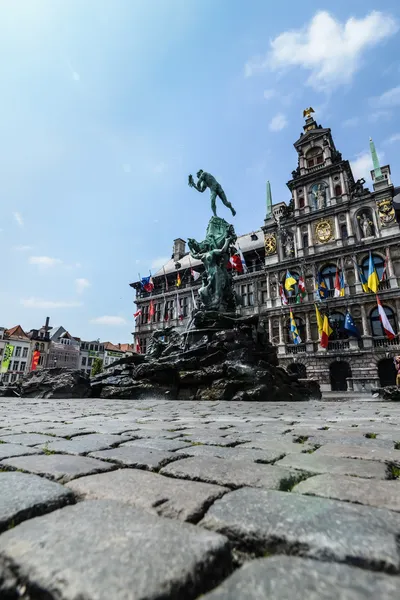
x=91, y=347
x=336, y=321
x=376, y=325
x=343, y=232
x=300, y=328
x=89, y=362
x=338, y=190
x=41, y=347
x=328, y=275
x=247, y=294
x=16, y=365
x=264, y=297
x=305, y=240
x=23, y=366
x=25, y=351
x=158, y=311
x=185, y=305
x=17, y=351
x=13, y=377
x=291, y=295
x=83, y=361
x=301, y=202
x=314, y=157
x=379, y=266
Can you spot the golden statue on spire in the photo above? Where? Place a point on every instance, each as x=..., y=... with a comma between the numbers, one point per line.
x=307, y=112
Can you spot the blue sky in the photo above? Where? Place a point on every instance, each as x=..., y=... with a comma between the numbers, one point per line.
x=108, y=105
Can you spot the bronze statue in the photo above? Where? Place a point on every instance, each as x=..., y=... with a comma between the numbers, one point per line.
x=204, y=181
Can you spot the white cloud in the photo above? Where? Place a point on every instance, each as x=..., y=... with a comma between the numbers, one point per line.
x=352, y=122
x=362, y=165
x=22, y=248
x=393, y=138
x=109, y=320
x=332, y=51
x=44, y=261
x=278, y=122
x=388, y=99
x=19, y=219
x=379, y=115
x=159, y=262
x=81, y=285
x=48, y=304
x=268, y=94
x=160, y=168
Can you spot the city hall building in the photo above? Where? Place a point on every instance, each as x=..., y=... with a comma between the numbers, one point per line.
x=331, y=225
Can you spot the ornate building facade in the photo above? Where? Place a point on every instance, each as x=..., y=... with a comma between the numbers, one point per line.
x=331, y=225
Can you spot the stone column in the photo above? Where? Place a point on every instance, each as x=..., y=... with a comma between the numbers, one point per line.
x=299, y=243
x=349, y=225
x=309, y=341
x=339, y=241
x=296, y=199
x=392, y=277
x=270, y=330
x=332, y=192
x=281, y=345
x=345, y=195
x=310, y=239
x=357, y=276
x=366, y=336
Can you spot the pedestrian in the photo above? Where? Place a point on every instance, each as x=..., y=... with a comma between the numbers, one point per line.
x=396, y=361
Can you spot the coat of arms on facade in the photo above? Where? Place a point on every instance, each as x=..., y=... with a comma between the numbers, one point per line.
x=324, y=231
x=270, y=244
x=386, y=211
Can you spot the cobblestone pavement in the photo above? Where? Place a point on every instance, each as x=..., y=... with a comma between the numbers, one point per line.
x=127, y=500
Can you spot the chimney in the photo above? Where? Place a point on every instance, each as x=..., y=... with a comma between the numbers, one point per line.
x=46, y=327
x=179, y=249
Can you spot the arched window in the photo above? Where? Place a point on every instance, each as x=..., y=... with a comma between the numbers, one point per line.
x=328, y=275
x=376, y=325
x=301, y=328
x=379, y=265
x=305, y=240
x=42, y=347
x=338, y=190
x=314, y=157
x=336, y=321
x=301, y=202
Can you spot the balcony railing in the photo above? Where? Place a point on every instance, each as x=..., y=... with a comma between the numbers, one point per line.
x=295, y=348
x=384, y=285
x=383, y=342
x=339, y=345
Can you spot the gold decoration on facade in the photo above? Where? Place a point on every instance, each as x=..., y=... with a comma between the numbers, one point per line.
x=386, y=211
x=324, y=231
x=270, y=244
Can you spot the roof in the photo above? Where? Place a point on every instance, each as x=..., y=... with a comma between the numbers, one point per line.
x=126, y=347
x=112, y=347
x=17, y=332
x=317, y=132
x=245, y=243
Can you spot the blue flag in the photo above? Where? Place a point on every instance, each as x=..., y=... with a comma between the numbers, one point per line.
x=350, y=326
x=321, y=287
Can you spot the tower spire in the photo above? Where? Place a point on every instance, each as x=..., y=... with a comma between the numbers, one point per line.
x=375, y=161
x=269, y=200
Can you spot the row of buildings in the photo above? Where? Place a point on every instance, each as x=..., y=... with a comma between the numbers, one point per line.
x=21, y=352
x=331, y=224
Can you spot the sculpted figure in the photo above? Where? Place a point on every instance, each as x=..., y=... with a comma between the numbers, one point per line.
x=204, y=181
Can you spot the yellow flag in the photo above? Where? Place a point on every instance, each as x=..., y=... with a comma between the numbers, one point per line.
x=320, y=321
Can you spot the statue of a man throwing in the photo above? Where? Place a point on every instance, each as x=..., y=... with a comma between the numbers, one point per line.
x=204, y=181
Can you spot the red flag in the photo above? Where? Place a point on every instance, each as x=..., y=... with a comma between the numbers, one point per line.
x=178, y=280
x=337, y=284
x=151, y=310
x=194, y=274
x=236, y=263
x=35, y=360
x=387, y=328
x=137, y=313
x=138, y=349
x=282, y=294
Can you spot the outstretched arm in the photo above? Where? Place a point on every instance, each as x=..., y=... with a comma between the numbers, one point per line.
x=201, y=185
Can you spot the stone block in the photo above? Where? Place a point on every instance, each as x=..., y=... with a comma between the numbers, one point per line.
x=139, y=457
x=237, y=453
x=8, y=450
x=158, y=444
x=262, y=521
x=173, y=498
x=312, y=463
x=83, y=444
x=360, y=452
x=104, y=550
x=23, y=496
x=27, y=439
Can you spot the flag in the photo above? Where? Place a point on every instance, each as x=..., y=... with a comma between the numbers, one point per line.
x=178, y=280
x=337, y=284
x=244, y=266
x=151, y=311
x=320, y=321
x=302, y=289
x=35, y=360
x=138, y=349
x=321, y=287
x=362, y=278
x=326, y=332
x=194, y=303
x=194, y=274
x=8, y=352
x=342, y=288
x=387, y=328
x=293, y=330
x=290, y=281
x=147, y=284
x=137, y=313
x=179, y=314
x=166, y=311
x=282, y=294
x=350, y=326
x=373, y=280
x=236, y=263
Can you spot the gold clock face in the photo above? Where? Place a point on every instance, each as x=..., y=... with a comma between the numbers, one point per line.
x=270, y=244
x=323, y=231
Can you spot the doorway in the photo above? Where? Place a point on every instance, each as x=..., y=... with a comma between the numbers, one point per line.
x=386, y=372
x=339, y=372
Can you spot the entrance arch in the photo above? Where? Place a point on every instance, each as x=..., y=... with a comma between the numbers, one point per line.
x=339, y=371
x=386, y=372
x=299, y=369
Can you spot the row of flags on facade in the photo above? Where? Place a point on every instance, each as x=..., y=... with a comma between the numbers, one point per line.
x=289, y=286
x=7, y=355
x=325, y=330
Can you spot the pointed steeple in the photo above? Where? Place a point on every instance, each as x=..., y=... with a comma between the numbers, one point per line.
x=375, y=161
x=269, y=200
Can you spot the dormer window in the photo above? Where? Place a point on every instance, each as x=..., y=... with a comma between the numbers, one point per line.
x=314, y=157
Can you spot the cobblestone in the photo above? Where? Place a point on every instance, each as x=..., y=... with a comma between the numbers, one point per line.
x=170, y=497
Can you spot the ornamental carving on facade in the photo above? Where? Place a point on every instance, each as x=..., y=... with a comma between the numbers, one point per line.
x=270, y=244
x=324, y=231
x=386, y=212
